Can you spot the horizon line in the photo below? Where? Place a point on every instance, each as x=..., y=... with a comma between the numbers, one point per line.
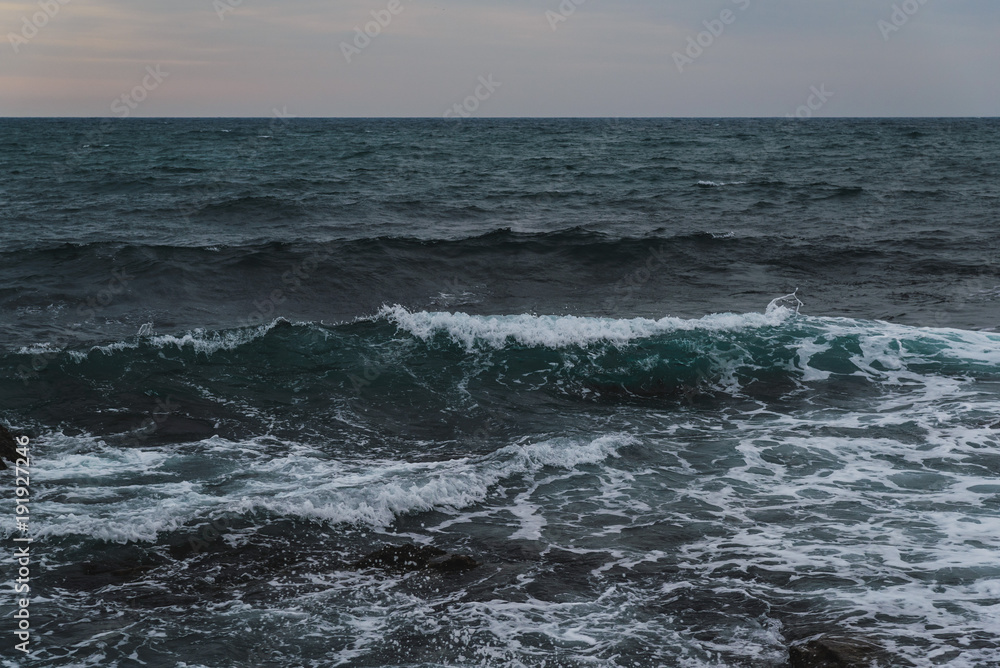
x=496, y=118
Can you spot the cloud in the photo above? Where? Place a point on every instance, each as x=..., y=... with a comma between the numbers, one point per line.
x=598, y=58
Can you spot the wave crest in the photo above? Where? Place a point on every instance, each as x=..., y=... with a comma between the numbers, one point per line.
x=563, y=331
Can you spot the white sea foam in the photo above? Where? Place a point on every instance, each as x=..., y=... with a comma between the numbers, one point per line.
x=888, y=531
x=199, y=340
x=885, y=354
x=612, y=629
x=134, y=495
x=881, y=511
x=377, y=494
x=562, y=331
x=43, y=348
x=720, y=184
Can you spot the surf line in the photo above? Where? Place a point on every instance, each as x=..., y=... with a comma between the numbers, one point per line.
x=22, y=553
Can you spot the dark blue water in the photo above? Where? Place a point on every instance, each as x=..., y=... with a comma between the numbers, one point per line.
x=250, y=352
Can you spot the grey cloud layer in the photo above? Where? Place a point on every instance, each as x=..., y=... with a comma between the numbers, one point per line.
x=553, y=57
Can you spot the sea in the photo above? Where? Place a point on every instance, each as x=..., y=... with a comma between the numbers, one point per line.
x=686, y=392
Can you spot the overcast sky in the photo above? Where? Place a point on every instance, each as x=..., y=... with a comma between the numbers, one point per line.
x=598, y=58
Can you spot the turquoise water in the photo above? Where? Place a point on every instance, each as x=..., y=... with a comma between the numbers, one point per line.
x=249, y=354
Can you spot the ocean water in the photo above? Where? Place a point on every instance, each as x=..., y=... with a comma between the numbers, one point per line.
x=250, y=352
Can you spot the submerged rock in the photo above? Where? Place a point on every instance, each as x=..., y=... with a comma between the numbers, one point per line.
x=450, y=563
x=839, y=652
x=8, y=447
x=413, y=558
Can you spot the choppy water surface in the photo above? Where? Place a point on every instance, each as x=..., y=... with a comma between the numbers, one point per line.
x=251, y=353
